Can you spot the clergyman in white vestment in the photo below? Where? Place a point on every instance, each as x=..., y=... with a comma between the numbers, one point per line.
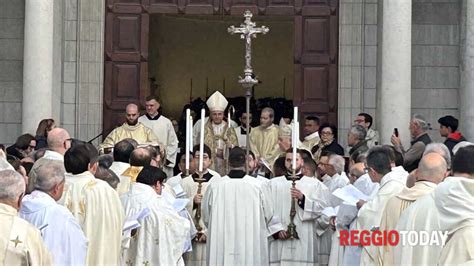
x=431, y=171
x=20, y=242
x=161, y=237
x=346, y=215
x=163, y=129
x=95, y=205
x=237, y=218
x=59, y=229
x=448, y=208
x=370, y=214
x=310, y=196
x=198, y=255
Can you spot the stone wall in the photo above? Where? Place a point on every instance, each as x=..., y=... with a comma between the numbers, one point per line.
x=357, y=62
x=12, y=20
x=83, y=68
x=435, y=60
x=78, y=67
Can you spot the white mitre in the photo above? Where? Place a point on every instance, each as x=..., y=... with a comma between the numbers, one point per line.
x=217, y=102
x=284, y=130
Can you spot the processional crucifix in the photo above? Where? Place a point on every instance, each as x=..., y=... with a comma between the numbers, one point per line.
x=248, y=30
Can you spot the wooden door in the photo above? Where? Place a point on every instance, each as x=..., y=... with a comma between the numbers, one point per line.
x=316, y=57
x=315, y=50
x=126, y=59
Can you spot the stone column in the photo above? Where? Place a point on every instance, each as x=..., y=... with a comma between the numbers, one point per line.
x=38, y=63
x=466, y=92
x=394, y=69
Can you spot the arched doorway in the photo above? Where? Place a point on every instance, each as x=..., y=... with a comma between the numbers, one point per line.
x=315, y=59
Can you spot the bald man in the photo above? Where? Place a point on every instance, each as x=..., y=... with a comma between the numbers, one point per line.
x=130, y=129
x=59, y=141
x=431, y=171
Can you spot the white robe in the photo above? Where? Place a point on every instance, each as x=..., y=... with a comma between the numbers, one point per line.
x=161, y=238
x=20, y=242
x=97, y=208
x=242, y=138
x=336, y=181
x=345, y=218
x=394, y=208
x=305, y=250
x=53, y=155
x=370, y=215
x=454, y=201
x=119, y=168
x=311, y=140
x=198, y=255
x=425, y=215
x=274, y=225
x=237, y=218
x=60, y=231
x=163, y=129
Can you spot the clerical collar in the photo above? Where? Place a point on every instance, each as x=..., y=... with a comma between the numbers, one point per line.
x=236, y=173
x=243, y=131
x=153, y=118
x=207, y=176
x=289, y=175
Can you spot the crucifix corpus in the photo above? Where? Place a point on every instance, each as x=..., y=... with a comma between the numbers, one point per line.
x=248, y=30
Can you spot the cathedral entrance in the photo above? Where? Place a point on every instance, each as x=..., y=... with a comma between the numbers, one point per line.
x=180, y=50
x=193, y=56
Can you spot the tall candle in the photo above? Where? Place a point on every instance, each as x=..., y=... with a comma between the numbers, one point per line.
x=201, y=140
x=188, y=136
x=294, y=139
x=191, y=134
x=228, y=118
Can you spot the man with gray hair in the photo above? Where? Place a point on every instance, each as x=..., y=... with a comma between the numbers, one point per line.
x=440, y=149
x=356, y=140
x=437, y=148
x=335, y=176
x=61, y=233
x=20, y=242
x=418, y=130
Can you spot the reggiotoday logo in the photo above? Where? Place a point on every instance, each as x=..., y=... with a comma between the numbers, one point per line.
x=392, y=238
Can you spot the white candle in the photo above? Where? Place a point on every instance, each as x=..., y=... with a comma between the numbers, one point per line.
x=228, y=118
x=294, y=138
x=188, y=136
x=191, y=134
x=201, y=140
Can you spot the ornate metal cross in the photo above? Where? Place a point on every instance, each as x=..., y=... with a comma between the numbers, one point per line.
x=248, y=30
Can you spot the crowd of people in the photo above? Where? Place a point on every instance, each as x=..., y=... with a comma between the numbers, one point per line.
x=142, y=198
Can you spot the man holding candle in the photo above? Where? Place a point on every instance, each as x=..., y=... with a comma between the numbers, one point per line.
x=218, y=135
x=191, y=188
x=310, y=197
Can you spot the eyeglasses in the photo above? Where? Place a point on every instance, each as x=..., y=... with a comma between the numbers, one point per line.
x=326, y=133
